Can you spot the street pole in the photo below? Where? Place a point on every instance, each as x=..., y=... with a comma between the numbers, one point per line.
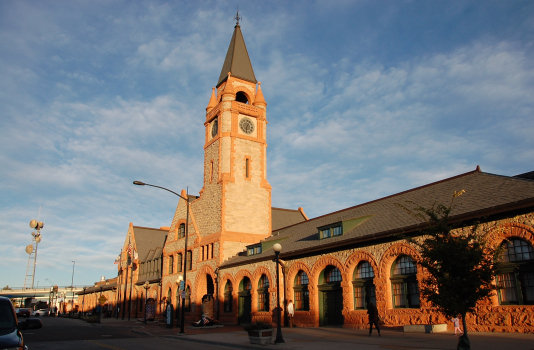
x=279, y=339
x=119, y=290
x=72, y=286
x=182, y=316
x=146, y=298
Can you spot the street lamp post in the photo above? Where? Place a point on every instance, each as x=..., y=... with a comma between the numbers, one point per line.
x=182, y=313
x=179, y=283
x=146, y=298
x=277, y=249
x=72, y=286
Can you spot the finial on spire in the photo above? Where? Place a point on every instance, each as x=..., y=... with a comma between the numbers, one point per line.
x=237, y=18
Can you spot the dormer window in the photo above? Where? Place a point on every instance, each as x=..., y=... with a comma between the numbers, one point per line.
x=330, y=231
x=241, y=97
x=254, y=250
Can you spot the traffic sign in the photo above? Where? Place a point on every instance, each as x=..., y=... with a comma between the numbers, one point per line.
x=102, y=300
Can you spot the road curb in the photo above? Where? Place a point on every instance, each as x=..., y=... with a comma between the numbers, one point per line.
x=142, y=332
x=218, y=343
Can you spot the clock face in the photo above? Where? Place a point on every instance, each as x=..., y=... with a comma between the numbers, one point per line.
x=246, y=125
x=215, y=127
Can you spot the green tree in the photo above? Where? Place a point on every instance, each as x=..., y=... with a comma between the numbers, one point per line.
x=461, y=265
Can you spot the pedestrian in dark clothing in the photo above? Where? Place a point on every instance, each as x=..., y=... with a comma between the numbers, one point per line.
x=372, y=311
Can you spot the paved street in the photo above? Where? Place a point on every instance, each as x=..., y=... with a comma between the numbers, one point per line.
x=64, y=333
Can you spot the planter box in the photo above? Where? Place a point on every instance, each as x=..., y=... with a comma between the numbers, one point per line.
x=425, y=328
x=260, y=336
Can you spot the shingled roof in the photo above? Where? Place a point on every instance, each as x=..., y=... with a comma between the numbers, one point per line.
x=147, y=240
x=285, y=217
x=237, y=60
x=485, y=194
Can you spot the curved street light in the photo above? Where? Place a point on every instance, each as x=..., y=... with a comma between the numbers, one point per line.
x=277, y=249
x=182, y=311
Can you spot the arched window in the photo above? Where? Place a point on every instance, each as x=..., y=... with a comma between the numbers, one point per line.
x=263, y=293
x=332, y=274
x=364, y=287
x=404, y=286
x=245, y=284
x=181, y=231
x=228, y=297
x=241, y=97
x=171, y=264
x=302, y=294
x=516, y=276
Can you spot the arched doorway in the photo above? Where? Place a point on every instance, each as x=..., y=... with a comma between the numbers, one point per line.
x=245, y=301
x=210, y=287
x=330, y=297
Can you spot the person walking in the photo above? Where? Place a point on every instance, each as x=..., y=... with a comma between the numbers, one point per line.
x=290, y=312
x=456, y=322
x=372, y=311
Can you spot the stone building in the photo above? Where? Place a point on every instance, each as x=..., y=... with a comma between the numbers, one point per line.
x=333, y=265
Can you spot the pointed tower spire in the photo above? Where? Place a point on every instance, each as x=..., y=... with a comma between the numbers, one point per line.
x=260, y=100
x=228, y=88
x=237, y=60
x=213, y=101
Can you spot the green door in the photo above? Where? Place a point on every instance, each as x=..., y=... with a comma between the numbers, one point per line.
x=332, y=307
x=245, y=308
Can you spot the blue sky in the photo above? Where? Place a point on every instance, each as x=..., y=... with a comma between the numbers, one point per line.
x=365, y=99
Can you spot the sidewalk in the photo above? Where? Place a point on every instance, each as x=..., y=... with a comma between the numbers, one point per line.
x=233, y=336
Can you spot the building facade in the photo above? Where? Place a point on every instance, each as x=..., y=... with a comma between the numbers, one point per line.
x=333, y=265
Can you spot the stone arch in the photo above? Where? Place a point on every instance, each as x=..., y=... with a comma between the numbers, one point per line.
x=201, y=285
x=260, y=271
x=168, y=286
x=511, y=229
x=239, y=276
x=222, y=284
x=351, y=264
x=223, y=280
x=245, y=91
x=200, y=281
x=504, y=232
x=321, y=264
x=382, y=284
x=290, y=276
x=313, y=279
x=292, y=273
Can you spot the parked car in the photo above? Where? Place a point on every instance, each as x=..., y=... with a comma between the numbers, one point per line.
x=41, y=312
x=10, y=337
x=23, y=312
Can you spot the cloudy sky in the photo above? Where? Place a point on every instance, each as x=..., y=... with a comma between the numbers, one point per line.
x=365, y=99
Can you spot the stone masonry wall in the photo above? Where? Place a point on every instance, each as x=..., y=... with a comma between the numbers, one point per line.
x=489, y=316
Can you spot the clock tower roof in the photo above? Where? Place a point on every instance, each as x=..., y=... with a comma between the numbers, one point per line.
x=237, y=60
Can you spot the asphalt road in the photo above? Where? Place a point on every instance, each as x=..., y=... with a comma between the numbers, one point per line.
x=65, y=333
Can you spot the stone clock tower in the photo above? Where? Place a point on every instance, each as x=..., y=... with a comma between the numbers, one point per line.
x=235, y=159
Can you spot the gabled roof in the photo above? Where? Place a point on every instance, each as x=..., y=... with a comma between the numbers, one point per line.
x=237, y=61
x=147, y=239
x=485, y=194
x=285, y=217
